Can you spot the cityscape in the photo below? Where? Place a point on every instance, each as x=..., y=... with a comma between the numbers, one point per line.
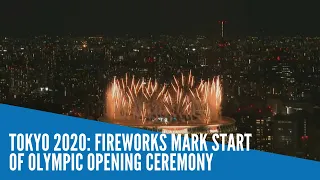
x=270, y=85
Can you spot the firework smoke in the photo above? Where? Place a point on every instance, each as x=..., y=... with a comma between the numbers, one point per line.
x=147, y=100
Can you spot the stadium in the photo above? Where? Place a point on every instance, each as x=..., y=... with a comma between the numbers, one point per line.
x=183, y=106
x=224, y=125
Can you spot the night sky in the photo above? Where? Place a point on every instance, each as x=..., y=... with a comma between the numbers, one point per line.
x=141, y=17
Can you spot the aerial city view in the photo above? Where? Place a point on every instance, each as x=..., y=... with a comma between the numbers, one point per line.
x=201, y=68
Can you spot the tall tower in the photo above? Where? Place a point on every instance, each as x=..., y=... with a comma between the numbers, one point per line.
x=222, y=22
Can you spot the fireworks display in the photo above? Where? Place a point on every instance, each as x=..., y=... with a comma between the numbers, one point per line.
x=183, y=100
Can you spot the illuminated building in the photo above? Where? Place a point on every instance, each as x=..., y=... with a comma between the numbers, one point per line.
x=258, y=121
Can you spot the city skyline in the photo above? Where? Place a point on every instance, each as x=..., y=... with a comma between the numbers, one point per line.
x=268, y=85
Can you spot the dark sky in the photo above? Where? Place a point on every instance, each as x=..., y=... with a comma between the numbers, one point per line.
x=276, y=17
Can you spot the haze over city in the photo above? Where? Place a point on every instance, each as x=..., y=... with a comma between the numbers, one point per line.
x=142, y=17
